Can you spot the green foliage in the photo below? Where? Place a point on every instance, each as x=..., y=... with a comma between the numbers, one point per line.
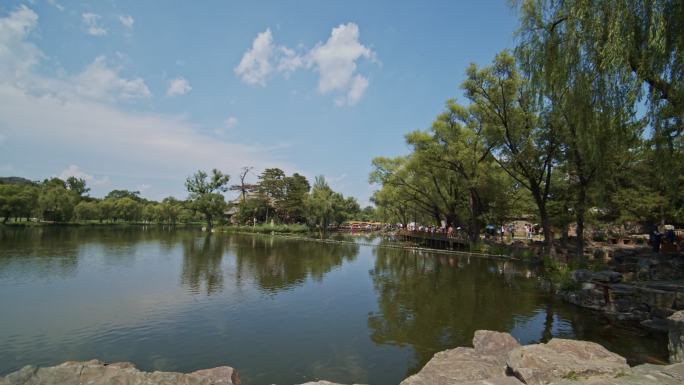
x=268, y=229
x=17, y=200
x=554, y=128
x=324, y=207
x=55, y=202
x=205, y=194
x=120, y=194
x=87, y=210
x=127, y=209
x=77, y=185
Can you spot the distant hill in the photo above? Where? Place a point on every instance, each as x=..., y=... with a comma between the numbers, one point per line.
x=15, y=180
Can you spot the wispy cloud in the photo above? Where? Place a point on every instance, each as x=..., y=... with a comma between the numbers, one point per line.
x=178, y=86
x=76, y=171
x=228, y=124
x=127, y=21
x=80, y=115
x=55, y=4
x=90, y=20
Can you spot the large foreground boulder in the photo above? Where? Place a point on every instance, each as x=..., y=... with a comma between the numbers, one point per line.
x=98, y=373
x=485, y=361
x=565, y=359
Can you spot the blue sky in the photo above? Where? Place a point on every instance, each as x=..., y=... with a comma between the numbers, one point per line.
x=140, y=94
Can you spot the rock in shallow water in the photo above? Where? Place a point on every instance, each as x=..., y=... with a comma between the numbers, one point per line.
x=98, y=373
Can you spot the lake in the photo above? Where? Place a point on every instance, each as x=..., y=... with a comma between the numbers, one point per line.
x=279, y=310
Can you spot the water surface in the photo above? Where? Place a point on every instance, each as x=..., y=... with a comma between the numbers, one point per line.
x=279, y=310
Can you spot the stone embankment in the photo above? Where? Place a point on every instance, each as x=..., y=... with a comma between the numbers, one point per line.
x=495, y=359
x=637, y=286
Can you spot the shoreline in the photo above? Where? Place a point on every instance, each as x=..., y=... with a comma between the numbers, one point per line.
x=495, y=358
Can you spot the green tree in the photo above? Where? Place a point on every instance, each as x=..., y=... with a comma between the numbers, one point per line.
x=205, y=194
x=587, y=98
x=524, y=143
x=323, y=206
x=152, y=212
x=87, y=210
x=55, y=201
x=119, y=194
x=170, y=210
x=77, y=185
x=106, y=209
x=634, y=47
x=296, y=188
x=271, y=187
x=127, y=209
x=17, y=200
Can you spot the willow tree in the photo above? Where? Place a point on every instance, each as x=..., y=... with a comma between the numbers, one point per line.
x=634, y=46
x=323, y=206
x=586, y=99
x=523, y=140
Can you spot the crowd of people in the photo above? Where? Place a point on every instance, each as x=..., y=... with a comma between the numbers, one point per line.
x=504, y=231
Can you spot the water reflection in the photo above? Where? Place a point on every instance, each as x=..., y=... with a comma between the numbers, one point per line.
x=51, y=253
x=184, y=300
x=437, y=302
x=281, y=264
x=202, y=258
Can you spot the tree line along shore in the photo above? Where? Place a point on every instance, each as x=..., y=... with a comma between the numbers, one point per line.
x=289, y=203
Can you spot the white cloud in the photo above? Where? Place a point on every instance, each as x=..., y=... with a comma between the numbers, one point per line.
x=229, y=123
x=55, y=4
x=91, y=22
x=75, y=171
x=255, y=65
x=101, y=82
x=335, y=61
x=178, y=86
x=79, y=123
x=130, y=143
x=127, y=21
x=289, y=61
x=356, y=90
x=17, y=56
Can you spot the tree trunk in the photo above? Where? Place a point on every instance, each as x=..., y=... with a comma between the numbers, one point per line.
x=474, y=226
x=546, y=225
x=210, y=225
x=580, y=211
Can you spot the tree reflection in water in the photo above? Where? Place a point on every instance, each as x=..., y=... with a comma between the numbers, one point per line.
x=432, y=303
x=281, y=264
x=202, y=258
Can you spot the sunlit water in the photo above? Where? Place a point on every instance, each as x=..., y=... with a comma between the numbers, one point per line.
x=279, y=310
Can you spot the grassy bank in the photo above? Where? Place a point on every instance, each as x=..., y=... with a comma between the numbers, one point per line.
x=95, y=224
x=265, y=229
